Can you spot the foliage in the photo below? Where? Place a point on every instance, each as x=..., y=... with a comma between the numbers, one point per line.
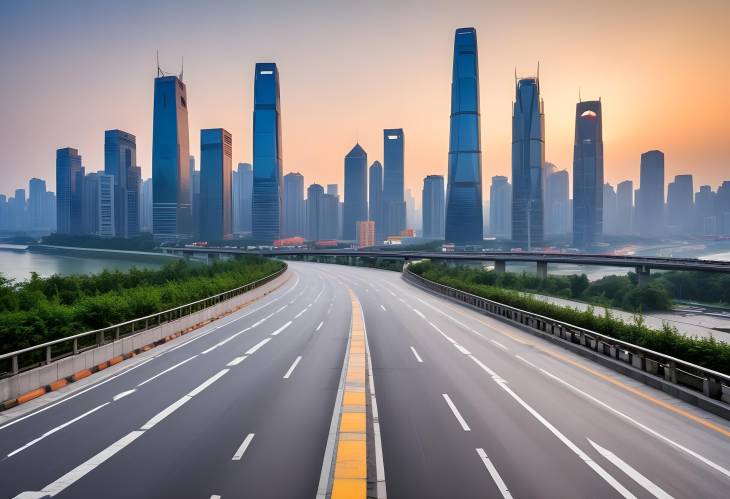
x=707, y=352
x=705, y=287
x=143, y=242
x=42, y=309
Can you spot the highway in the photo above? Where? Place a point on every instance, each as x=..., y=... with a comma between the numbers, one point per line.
x=467, y=407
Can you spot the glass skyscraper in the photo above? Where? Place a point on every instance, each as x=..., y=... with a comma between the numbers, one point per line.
x=500, y=207
x=650, y=205
x=528, y=157
x=120, y=158
x=464, y=198
x=171, y=213
x=216, y=151
x=433, y=207
x=69, y=191
x=394, y=205
x=294, y=208
x=267, y=159
x=375, y=199
x=356, y=191
x=588, y=174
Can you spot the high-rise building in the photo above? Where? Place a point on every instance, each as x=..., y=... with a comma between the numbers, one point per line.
x=365, y=234
x=557, y=203
x=69, y=191
x=680, y=205
x=528, y=156
x=650, y=205
x=624, y=207
x=145, y=206
x=120, y=158
x=394, y=205
x=171, y=210
x=464, y=217
x=244, y=208
x=588, y=174
x=329, y=217
x=722, y=208
x=315, y=195
x=294, y=207
x=433, y=208
x=610, y=209
x=216, y=152
x=500, y=207
x=134, y=184
x=107, y=209
x=197, y=203
x=91, y=203
x=705, y=218
x=49, y=211
x=356, y=192
x=267, y=158
x=375, y=198
x=36, y=198
x=192, y=170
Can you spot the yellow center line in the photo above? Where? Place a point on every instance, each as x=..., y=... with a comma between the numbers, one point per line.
x=350, y=476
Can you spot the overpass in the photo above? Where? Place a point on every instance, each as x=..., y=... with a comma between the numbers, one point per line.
x=642, y=265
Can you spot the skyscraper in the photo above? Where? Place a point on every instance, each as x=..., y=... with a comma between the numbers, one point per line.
x=375, y=199
x=680, y=205
x=528, y=156
x=36, y=197
x=107, y=209
x=356, y=191
x=69, y=189
x=625, y=207
x=394, y=205
x=588, y=174
x=145, y=206
x=245, y=178
x=315, y=195
x=610, y=207
x=91, y=202
x=464, y=215
x=433, y=207
x=267, y=158
x=705, y=219
x=294, y=208
x=500, y=207
x=171, y=211
x=216, y=151
x=120, y=157
x=650, y=206
x=557, y=203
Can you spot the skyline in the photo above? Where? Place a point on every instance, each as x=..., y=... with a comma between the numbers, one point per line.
x=404, y=84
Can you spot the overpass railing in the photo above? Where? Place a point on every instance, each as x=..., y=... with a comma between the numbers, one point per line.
x=12, y=363
x=666, y=371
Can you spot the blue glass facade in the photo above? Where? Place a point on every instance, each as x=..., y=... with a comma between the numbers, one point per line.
x=528, y=157
x=356, y=191
x=216, y=151
x=433, y=207
x=120, y=158
x=294, y=208
x=464, y=198
x=588, y=174
x=69, y=191
x=394, y=205
x=267, y=160
x=171, y=211
x=375, y=199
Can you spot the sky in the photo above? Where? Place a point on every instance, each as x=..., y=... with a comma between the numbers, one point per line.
x=72, y=69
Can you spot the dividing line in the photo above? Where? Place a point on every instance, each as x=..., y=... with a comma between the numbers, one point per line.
x=319, y=326
x=236, y=361
x=281, y=329
x=384, y=310
x=166, y=371
x=456, y=412
x=494, y=473
x=291, y=369
x=239, y=453
x=300, y=314
x=415, y=354
x=258, y=345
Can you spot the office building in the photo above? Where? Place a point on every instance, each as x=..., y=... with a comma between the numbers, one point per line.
x=528, y=156
x=432, y=204
x=625, y=207
x=120, y=160
x=356, y=192
x=107, y=208
x=365, y=234
x=394, y=206
x=245, y=208
x=375, y=199
x=294, y=207
x=267, y=157
x=315, y=195
x=588, y=174
x=216, y=152
x=722, y=208
x=69, y=191
x=609, y=209
x=680, y=206
x=557, y=203
x=36, y=198
x=500, y=207
x=650, y=205
x=145, y=206
x=171, y=210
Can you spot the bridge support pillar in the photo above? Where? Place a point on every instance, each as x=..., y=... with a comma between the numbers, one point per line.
x=500, y=266
x=643, y=273
x=542, y=272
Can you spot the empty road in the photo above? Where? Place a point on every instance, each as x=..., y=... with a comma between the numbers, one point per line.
x=467, y=406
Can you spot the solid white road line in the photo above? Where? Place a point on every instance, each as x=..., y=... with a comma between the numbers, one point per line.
x=166, y=412
x=205, y=384
x=319, y=326
x=415, y=354
x=281, y=329
x=643, y=427
x=456, y=412
x=291, y=369
x=650, y=486
x=82, y=469
x=123, y=394
x=499, y=344
x=236, y=361
x=526, y=361
x=494, y=473
x=380, y=488
x=215, y=496
x=462, y=349
x=57, y=428
x=258, y=345
x=381, y=306
x=239, y=453
x=166, y=371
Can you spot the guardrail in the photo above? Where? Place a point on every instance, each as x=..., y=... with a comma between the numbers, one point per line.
x=662, y=368
x=12, y=363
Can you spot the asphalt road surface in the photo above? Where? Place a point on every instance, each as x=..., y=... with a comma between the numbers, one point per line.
x=468, y=407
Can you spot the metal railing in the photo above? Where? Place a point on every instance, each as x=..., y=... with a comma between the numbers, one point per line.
x=712, y=384
x=12, y=363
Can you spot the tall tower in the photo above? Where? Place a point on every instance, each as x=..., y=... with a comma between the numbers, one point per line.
x=375, y=199
x=464, y=215
x=528, y=156
x=394, y=204
x=171, y=212
x=69, y=191
x=294, y=209
x=216, y=152
x=267, y=159
x=650, y=206
x=120, y=157
x=588, y=174
x=433, y=206
x=356, y=191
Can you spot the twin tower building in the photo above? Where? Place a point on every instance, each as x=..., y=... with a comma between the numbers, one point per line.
x=172, y=216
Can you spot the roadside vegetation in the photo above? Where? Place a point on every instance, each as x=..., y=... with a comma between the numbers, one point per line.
x=43, y=309
x=706, y=352
x=143, y=242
